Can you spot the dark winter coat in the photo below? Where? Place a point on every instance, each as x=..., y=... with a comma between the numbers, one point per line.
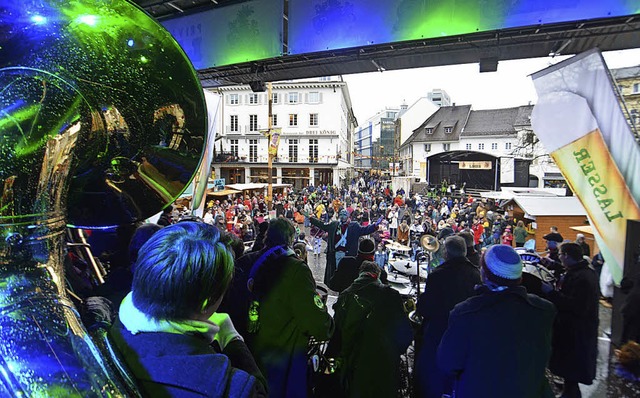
x=631, y=310
x=575, y=332
x=291, y=311
x=354, y=232
x=498, y=345
x=348, y=272
x=372, y=331
x=183, y=365
x=449, y=284
x=237, y=298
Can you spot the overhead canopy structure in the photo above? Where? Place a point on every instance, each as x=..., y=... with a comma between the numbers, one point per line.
x=304, y=40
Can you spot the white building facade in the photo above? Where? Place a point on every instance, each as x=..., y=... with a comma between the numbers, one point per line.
x=316, y=124
x=500, y=133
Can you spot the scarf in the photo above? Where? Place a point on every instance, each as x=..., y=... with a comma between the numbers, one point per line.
x=136, y=321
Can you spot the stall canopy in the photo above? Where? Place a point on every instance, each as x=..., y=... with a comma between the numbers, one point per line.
x=245, y=187
x=254, y=186
x=224, y=192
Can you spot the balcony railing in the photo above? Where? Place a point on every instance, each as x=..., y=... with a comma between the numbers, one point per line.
x=226, y=157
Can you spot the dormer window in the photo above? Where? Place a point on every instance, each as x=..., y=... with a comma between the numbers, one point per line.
x=448, y=130
x=428, y=130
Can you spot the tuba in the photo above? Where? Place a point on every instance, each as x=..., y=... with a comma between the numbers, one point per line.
x=103, y=123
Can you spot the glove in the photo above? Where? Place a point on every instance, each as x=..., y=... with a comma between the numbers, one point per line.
x=97, y=311
x=547, y=287
x=227, y=332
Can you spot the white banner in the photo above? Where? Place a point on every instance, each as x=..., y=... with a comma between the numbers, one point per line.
x=579, y=120
x=507, y=170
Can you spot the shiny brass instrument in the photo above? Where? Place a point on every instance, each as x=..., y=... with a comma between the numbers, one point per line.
x=429, y=243
x=103, y=123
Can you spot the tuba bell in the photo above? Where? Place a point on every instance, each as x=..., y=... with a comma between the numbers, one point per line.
x=103, y=123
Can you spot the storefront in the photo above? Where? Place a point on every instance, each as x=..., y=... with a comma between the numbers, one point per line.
x=322, y=177
x=233, y=175
x=298, y=178
x=261, y=174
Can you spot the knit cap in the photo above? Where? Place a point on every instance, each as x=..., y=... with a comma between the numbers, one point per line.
x=502, y=265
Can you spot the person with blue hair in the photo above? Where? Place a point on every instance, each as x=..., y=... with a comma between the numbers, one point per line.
x=168, y=330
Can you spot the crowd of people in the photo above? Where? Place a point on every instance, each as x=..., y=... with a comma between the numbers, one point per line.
x=239, y=322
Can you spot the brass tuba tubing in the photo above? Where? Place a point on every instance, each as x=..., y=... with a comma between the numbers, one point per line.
x=103, y=123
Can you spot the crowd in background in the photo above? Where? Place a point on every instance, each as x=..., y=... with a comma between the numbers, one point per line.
x=257, y=310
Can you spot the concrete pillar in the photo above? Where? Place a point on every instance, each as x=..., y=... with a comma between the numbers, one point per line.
x=218, y=171
x=279, y=175
x=247, y=174
x=311, y=176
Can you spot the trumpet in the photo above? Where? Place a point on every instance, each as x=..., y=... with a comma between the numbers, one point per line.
x=103, y=123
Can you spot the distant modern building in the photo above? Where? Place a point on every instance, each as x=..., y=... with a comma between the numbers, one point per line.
x=484, y=149
x=439, y=97
x=373, y=142
x=316, y=123
x=628, y=80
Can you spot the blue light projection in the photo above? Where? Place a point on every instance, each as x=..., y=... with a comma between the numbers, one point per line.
x=320, y=25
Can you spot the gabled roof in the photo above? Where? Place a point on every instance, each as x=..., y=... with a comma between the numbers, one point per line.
x=626, y=73
x=454, y=117
x=550, y=205
x=497, y=121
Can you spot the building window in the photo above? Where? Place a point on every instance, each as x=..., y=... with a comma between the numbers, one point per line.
x=274, y=120
x=293, y=120
x=313, y=119
x=636, y=88
x=293, y=98
x=427, y=147
x=448, y=130
x=274, y=98
x=314, y=97
x=446, y=147
x=313, y=150
x=253, y=99
x=234, y=147
x=481, y=146
x=494, y=146
x=293, y=151
x=253, y=122
x=233, y=99
x=468, y=147
x=253, y=151
x=507, y=145
x=234, y=123
x=429, y=130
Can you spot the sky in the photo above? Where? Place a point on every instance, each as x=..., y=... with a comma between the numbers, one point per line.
x=510, y=86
